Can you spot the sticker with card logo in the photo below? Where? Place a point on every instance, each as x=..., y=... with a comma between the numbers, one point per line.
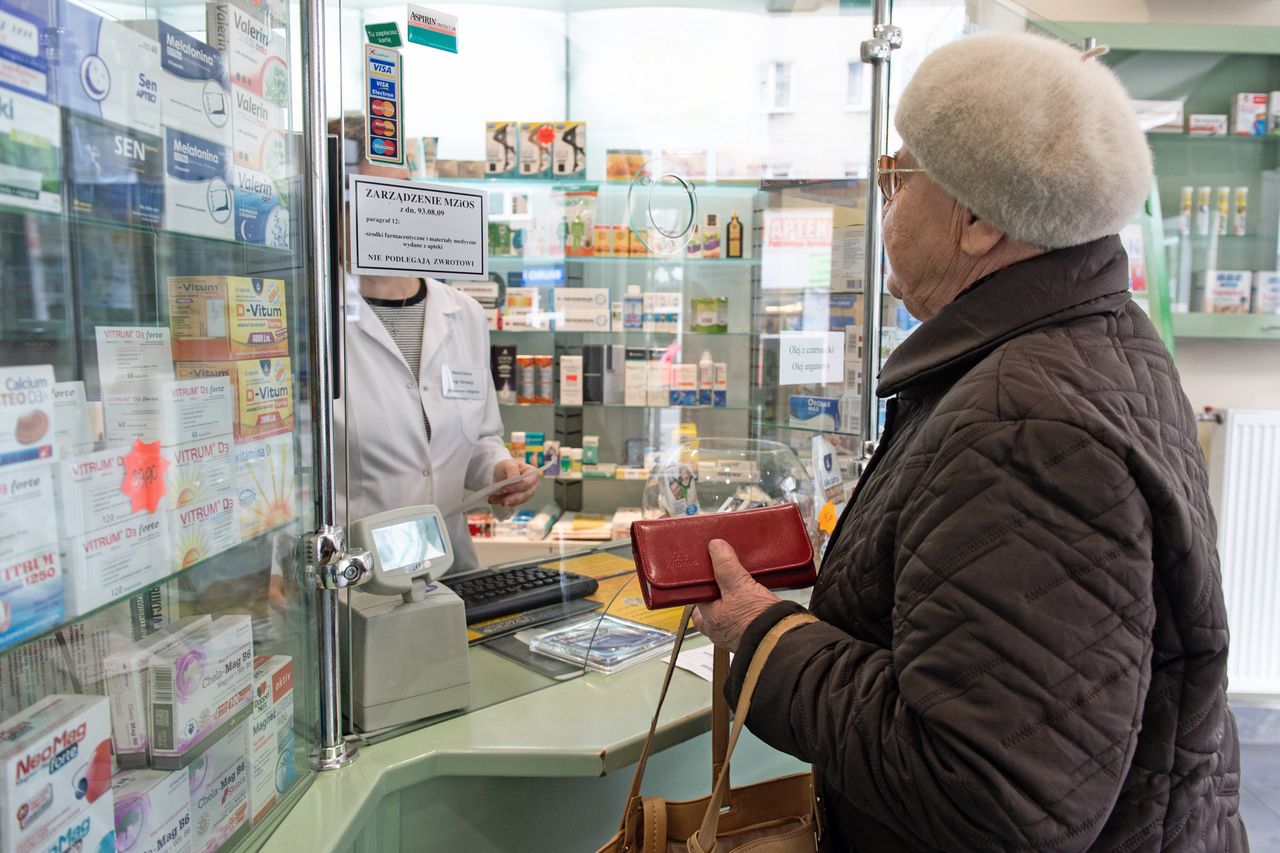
x=464, y=383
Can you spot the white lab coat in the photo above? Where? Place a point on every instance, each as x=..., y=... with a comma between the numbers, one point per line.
x=378, y=426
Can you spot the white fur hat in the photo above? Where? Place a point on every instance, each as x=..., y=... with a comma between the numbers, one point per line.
x=1030, y=136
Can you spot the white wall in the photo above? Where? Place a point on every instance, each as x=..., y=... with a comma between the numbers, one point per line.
x=1236, y=12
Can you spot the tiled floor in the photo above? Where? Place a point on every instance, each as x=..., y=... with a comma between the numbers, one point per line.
x=1260, y=767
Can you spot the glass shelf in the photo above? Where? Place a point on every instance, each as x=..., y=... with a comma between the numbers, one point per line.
x=627, y=335
x=607, y=261
x=201, y=566
x=555, y=183
x=553, y=406
x=775, y=425
x=1219, y=140
x=1258, y=327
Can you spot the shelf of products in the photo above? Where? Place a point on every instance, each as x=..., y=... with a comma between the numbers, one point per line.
x=153, y=343
x=1227, y=326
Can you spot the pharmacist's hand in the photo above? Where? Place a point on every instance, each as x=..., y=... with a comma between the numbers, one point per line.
x=741, y=599
x=516, y=493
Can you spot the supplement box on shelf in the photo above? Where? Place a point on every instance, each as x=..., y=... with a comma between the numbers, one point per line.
x=153, y=811
x=227, y=317
x=272, y=770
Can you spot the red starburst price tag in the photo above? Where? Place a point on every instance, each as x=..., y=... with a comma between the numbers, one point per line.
x=144, y=469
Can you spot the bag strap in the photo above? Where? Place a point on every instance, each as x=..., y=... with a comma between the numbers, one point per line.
x=719, y=713
x=705, y=840
x=685, y=619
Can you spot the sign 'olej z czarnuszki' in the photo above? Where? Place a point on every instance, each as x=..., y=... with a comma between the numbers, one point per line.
x=414, y=229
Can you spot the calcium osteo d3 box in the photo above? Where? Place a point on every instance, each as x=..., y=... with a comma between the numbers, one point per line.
x=200, y=690
x=218, y=784
x=271, y=741
x=56, y=792
x=152, y=811
x=224, y=318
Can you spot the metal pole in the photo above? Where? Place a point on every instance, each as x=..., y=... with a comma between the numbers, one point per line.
x=875, y=52
x=325, y=543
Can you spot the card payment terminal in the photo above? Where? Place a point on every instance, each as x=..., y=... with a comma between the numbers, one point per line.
x=406, y=657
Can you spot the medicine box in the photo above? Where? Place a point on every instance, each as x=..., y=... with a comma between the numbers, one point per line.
x=195, y=95
x=56, y=791
x=571, y=380
x=218, y=783
x=195, y=410
x=1227, y=291
x=200, y=690
x=107, y=70
x=31, y=580
x=1207, y=124
x=255, y=51
x=222, y=318
x=261, y=388
x=198, y=197
x=1249, y=116
x=258, y=134
x=30, y=153
x=684, y=385
x=128, y=678
x=261, y=215
x=817, y=413
x=118, y=173
x=152, y=811
x=569, y=150
x=23, y=66
x=272, y=769
x=582, y=309
x=72, y=429
x=536, y=140
x=106, y=548
x=501, y=148
x=1266, y=293
x=27, y=432
x=266, y=486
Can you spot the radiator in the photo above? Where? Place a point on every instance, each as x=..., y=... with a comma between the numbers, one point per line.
x=1244, y=478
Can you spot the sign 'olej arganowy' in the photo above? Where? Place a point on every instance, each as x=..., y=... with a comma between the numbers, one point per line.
x=414, y=229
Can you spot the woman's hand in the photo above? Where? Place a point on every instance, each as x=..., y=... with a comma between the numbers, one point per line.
x=741, y=599
x=516, y=493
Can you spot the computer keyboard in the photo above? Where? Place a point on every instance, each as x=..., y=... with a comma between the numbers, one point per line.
x=494, y=594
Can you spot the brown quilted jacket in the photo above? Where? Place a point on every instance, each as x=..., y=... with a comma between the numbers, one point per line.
x=1023, y=641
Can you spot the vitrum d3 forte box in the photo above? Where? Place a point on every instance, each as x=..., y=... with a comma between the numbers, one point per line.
x=200, y=690
x=56, y=792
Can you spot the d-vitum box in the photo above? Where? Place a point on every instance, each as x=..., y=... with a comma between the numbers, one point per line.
x=128, y=678
x=261, y=215
x=255, y=51
x=265, y=391
x=198, y=197
x=117, y=173
x=272, y=769
x=23, y=66
x=153, y=811
x=266, y=486
x=107, y=70
x=56, y=791
x=218, y=783
x=200, y=691
x=30, y=153
x=221, y=318
x=195, y=95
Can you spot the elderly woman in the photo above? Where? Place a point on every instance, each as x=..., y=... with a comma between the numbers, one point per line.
x=1022, y=642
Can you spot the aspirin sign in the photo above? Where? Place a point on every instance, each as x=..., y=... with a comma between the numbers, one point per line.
x=413, y=229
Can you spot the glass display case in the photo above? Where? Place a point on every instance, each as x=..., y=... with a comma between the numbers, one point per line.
x=157, y=655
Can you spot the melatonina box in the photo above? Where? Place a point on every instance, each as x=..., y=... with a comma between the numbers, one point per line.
x=195, y=95
x=218, y=783
x=198, y=197
x=105, y=547
x=200, y=690
x=31, y=139
x=115, y=69
x=221, y=318
x=56, y=791
x=266, y=490
x=128, y=678
x=152, y=811
x=271, y=740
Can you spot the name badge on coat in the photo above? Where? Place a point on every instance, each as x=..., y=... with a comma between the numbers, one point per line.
x=463, y=383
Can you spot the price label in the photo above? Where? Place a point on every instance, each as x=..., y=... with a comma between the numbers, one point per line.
x=827, y=518
x=144, y=469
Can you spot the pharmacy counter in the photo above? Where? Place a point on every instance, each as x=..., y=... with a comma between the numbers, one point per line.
x=546, y=771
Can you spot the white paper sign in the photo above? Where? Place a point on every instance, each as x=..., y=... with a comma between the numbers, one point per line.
x=796, y=249
x=810, y=358
x=413, y=229
x=131, y=354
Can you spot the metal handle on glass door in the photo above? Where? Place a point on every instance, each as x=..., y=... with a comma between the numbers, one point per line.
x=876, y=52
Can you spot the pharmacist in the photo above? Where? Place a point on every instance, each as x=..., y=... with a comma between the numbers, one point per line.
x=400, y=441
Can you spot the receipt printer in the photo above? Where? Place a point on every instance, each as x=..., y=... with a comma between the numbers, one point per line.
x=406, y=654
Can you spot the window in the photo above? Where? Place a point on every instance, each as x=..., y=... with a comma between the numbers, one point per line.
x=855, y=92
x=776, y=87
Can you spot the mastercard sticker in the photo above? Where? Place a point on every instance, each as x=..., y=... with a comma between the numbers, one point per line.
x=383, y=108
x=383, y=79
x=382, y=127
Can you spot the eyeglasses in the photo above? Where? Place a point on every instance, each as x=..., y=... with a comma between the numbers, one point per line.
x=887, y=173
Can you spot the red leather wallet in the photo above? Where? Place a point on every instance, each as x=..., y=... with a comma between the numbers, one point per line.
x=675, y=569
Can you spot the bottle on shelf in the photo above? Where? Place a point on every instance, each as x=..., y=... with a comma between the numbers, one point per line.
x=706, y=379
x=733, y=237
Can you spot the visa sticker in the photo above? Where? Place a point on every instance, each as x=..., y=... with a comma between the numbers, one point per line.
x=383, y=114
